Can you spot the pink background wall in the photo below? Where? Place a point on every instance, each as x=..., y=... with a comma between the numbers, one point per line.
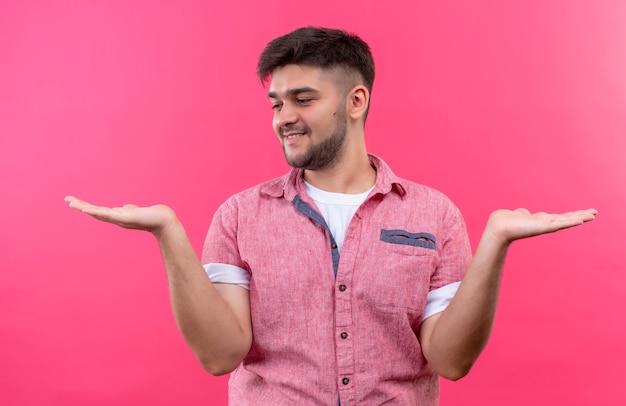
x=498, y=104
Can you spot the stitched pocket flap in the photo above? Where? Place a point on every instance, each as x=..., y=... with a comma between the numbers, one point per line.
x=424, y=240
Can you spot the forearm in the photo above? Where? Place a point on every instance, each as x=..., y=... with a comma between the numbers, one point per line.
x=452, y=340
x=460, y=333
x=219, y=338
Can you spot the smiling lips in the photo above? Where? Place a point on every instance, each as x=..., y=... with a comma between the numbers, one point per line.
x=291, y=137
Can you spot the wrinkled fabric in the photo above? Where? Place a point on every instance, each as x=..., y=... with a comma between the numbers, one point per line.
x=331, y=327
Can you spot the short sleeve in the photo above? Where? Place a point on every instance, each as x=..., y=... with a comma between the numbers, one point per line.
x=454, y=248
x=223, y=273
x=221, y=244
x=439, y=299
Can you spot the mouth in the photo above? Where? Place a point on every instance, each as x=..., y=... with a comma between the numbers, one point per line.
x=292, y=137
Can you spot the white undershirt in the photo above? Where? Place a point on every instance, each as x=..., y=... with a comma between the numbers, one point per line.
x=337, y=210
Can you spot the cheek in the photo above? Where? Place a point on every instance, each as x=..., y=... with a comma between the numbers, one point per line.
x=275, y=125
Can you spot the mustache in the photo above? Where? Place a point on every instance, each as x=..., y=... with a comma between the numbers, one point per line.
x=294, y=128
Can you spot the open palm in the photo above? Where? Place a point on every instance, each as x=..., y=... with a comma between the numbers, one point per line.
x=511, y=225
x=152, y=218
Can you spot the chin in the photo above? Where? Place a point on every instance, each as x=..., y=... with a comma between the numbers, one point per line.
x=297, y=161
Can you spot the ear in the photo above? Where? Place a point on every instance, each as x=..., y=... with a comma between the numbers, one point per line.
x=358, y=101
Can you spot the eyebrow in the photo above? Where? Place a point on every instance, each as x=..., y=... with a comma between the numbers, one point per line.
x=293, y=92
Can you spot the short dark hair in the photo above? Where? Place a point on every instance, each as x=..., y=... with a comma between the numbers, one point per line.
x=320, y=47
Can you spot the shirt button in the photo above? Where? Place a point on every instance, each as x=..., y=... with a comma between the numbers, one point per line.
x=342, y=287
x=345, y=381
x=344, y=335
x=334, y=245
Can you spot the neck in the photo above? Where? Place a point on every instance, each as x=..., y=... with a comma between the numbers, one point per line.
x=351, y=175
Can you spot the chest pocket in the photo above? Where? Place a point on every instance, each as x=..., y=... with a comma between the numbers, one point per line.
x=401, y=237
x=399, y=271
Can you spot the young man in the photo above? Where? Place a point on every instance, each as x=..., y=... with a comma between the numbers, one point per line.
x=338, y=282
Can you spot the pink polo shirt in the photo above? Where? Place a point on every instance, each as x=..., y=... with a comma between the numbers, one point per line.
x=331, y=327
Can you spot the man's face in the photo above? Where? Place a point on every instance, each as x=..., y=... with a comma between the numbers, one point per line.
x=309, y=116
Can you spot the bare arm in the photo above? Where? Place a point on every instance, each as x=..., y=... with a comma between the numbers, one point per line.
x=213, y=318
x=453, y=339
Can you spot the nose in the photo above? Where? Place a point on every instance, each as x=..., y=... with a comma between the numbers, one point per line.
x=285, y=116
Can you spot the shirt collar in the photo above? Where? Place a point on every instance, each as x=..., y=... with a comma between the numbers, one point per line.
x=292, y=184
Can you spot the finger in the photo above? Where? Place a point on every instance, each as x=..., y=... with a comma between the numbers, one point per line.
x=99, y=212
x=571, y=219
x=117, y=216
x=563, y=222
x=522, y=210
x=69, y=200
x=583, y=215
x=589, y=214
x=77, y=203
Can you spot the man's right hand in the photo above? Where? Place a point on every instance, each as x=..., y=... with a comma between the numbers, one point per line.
x=213, y=318
x=154, y=219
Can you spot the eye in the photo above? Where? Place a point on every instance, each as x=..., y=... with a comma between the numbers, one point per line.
x=303, y=101
x=276, y=106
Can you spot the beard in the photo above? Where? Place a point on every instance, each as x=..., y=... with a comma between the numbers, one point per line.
x=326, y=153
